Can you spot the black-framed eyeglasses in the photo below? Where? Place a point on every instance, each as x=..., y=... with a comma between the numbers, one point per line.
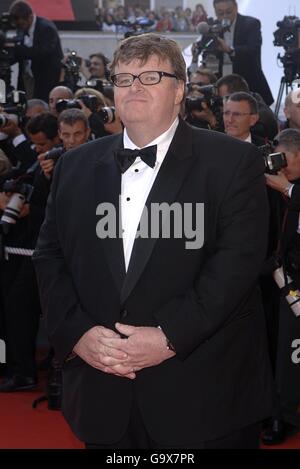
x=146, y=78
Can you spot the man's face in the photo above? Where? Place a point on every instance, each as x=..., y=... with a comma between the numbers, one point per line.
x=97, y=68
x=292, y=171
x=152, y=106
x=23, y=24
x=73, y=135
x=54, y=96
x=42, y=142
x=226, y=10
x=238, y=119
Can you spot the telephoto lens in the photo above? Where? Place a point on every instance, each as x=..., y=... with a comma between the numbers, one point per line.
x=107, y=114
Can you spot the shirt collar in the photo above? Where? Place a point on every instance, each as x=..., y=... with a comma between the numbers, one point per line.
x=248, y=139
x=163, y=141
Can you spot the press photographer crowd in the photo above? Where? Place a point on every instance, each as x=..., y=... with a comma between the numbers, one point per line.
x=64, y=101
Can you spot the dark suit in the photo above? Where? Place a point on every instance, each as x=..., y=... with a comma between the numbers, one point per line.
x=46, y=55
x=205, y=300
x=247, y=57
x=283, y=325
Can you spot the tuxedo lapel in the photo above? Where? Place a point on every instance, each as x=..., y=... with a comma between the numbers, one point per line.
x=108, y=190
x=237, y=29
x=170, y=178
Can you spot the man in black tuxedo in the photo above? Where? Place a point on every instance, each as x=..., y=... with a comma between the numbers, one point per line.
x=40, y=54
x=162, y=339
x=241, y=47
x=286, y=417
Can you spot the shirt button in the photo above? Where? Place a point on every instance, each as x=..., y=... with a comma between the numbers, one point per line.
x=128, y=198
x=136, y=170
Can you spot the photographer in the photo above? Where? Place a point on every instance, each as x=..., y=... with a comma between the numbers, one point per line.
x=287, y=379
x=73, y=131
x=103, y=119
x=96, y=67
x=267, y=125
x=203, y=108
x=240, y=114
x=17, y=144
x=57, y=93
x=40, y=54
x=241, y=47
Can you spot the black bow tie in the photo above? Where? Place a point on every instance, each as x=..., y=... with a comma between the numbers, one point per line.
x=126, y=157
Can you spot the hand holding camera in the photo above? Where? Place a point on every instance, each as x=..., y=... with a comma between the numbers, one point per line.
x=278, y=182
x=47, y=166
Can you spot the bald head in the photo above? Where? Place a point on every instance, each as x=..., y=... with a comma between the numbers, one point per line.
x=59, y=92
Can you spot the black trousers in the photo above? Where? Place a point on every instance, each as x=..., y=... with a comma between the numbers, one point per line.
x=137, y=437
x=20, y=312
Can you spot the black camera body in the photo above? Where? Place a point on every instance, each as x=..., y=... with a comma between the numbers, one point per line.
x=274, y=161
x=211, y=31
x=287, y=34
x=55, y=153
x=89, y=100
x=210, y=98
x=14, y=102
x=99, y=84
x=107, y=114
x=72, y=66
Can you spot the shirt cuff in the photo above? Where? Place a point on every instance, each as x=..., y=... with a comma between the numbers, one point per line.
x=290, y=190
x=18, y=140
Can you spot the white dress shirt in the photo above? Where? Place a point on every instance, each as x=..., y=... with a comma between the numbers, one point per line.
x=136, y=184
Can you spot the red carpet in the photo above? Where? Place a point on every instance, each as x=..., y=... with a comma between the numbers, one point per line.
x=25, y=428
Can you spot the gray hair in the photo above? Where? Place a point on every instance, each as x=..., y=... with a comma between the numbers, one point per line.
x=31, y=103
x=289, y=139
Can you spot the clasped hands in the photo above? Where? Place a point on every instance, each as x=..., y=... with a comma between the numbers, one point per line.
x=106, y=350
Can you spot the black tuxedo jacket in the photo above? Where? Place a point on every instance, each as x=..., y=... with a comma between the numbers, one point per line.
x=205, y=300
x=247, y=58
x=46, y=55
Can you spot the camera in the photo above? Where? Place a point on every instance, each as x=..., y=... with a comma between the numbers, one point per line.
x=107, y=114
x=274, y=162
x=89, y=100
x=20, y=186
x=13, y=102
x=99, y=85
x=54, y=154
x=210, y=98
x=72, y=66
x=211, y=31
x=21, y=194
x=287, y=34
